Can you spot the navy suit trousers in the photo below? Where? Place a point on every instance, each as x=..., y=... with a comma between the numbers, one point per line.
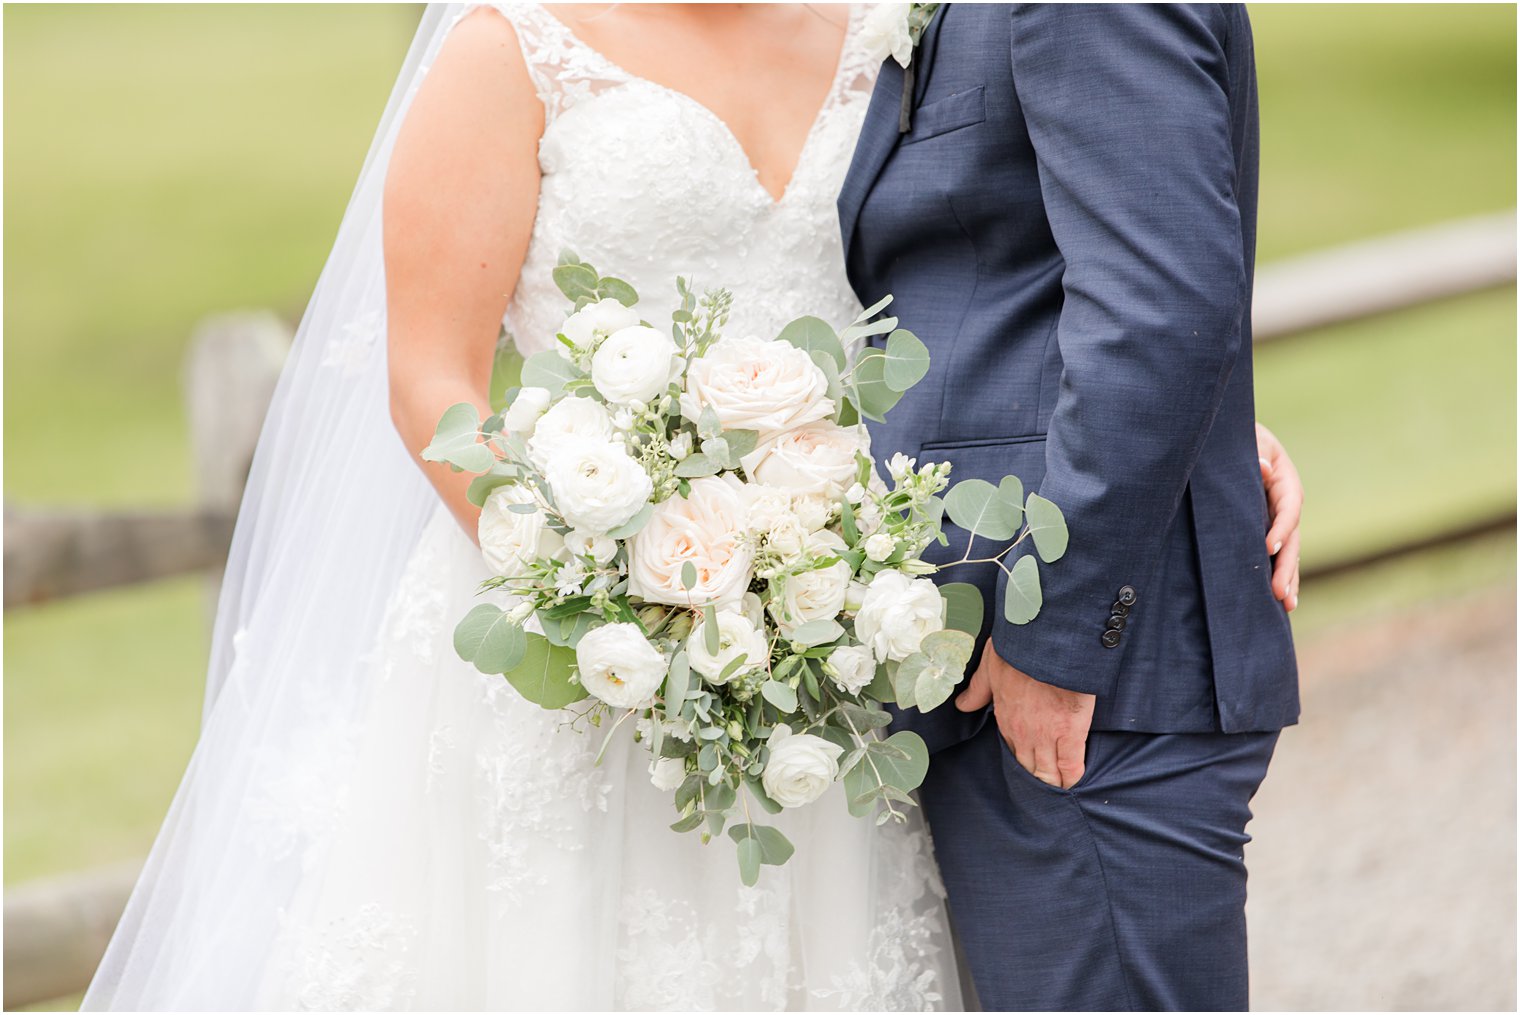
x=1124, y=893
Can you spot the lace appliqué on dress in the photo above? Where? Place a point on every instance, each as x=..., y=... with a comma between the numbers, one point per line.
x=362, y=962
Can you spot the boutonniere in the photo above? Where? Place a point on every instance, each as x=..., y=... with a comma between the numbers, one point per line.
x=895, y=30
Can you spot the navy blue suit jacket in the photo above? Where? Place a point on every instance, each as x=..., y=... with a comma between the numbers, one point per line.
x=1070, y=226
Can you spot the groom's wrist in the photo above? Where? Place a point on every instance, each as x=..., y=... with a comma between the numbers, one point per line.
x=1071, y=643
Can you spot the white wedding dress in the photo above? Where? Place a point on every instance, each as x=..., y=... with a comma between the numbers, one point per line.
x=457, y=848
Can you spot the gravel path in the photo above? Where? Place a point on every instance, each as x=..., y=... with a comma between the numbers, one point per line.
x=1383, y=866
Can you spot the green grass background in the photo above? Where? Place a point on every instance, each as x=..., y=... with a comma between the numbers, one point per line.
x=167, y=162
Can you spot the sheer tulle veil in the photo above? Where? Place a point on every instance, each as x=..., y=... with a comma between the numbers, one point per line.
x=332, y=510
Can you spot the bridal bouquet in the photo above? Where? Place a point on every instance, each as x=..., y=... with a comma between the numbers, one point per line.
x=688, y=529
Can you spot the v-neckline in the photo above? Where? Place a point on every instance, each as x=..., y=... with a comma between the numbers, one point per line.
x=835, y=82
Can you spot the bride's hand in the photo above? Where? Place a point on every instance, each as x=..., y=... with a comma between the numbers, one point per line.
x=1285, y=502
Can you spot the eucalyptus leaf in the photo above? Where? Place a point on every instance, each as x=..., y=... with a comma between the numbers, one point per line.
x=576, y=281
x=708, y=424
x=975, y=506
x=697, y=465
x=873, y=397
x=677, y=680
x=1022, y=598
x=549, y=370
x=1047, y=526
x=710, y=631
x=812, y=334
x=775, y=848
x=634, y=524
x=749, y=861
x=688, y=575
x=456, y=440
x=481, y=486
x=487, y=638
x=783, y=696
x=907, y=360
x=902, y=759
x=740, y=443
x=816, y=632
x=544, y=674
x=617, y=289
x=964, y=608
x=1011, y=491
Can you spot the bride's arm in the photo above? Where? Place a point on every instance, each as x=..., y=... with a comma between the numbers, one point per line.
x=460, y=196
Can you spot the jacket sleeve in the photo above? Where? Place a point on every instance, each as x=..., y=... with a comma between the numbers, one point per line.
x=1128, y=110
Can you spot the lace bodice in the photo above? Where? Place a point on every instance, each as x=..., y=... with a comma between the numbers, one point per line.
x=647, y=183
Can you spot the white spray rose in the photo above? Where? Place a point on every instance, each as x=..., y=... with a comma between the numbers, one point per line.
x=522, y=415
x=619, y=666
x=800, y=768
x=737, y=636
x=757, y=385
x=510, y=541
x=880, y=546
x=818, y=594
x=667, y=774
x=598, y=547
x=812, y=511
x=597, y=485
x=634, y=365
x=885, y=33
x=566, y=420
x=706, y=529
x=817, y=459
x=594, y=322
x=854, y=667
x=898, y=613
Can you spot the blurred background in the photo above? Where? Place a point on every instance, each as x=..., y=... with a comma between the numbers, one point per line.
x=168, y=163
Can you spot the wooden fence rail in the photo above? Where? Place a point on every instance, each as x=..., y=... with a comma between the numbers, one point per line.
x=56, y=929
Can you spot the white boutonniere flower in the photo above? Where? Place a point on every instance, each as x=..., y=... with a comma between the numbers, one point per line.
x=895, y=30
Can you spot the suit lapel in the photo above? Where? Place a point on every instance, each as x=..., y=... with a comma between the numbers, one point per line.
x=879, y=135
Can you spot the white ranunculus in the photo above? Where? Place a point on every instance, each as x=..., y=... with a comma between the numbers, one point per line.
x=898, y=613
x=597, y=485
x=817, y=459
x=801, y=767
x=854, y=667
x=879, y=546
x=510, y=541
x=757, y=385
x=812, y=511
x=737, y=636
x=818, y=594
x=522, y=415
x=885, y=33
x=618, y=665
x=667, y=774
x=634, y=365
x=566, y=420
x=598, y=547
x=594, y=322
x=706, y=529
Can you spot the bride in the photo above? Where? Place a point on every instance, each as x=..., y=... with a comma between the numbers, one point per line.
x=367, y=822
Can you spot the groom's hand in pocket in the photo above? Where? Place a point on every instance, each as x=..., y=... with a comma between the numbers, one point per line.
x=1044, y=726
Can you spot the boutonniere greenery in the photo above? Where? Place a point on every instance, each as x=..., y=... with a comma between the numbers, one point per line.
x=895, y=30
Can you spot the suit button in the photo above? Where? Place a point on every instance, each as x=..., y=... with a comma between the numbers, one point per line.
x=1116, y=623
x=1120, y=610
x=1127, y=596
x=1110, y=639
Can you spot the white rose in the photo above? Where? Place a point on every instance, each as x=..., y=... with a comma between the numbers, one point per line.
x=898, y=613
x=597, y=485
x=854, y=667
x=885, y=33
x=880, y=546
x=706, y=529
x=818, y=594
x=817, y=459
x=634, y=365
x=800, y=768
x=736, y=636
x=522, y=415
x=757, y=385
x=812, y=512
x=619, y=666
x=594, y=322
x=566, y=420
x=667, y=774
x=598, y=547
x=510, y=541
x=855, y=596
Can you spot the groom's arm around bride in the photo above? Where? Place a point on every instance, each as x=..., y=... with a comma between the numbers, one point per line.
x=1069, y=224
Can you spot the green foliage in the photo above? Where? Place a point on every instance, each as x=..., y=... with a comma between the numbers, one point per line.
x=1047, y=527
x=1022, y=598
x=813, y=336
x=759, y=844
x=907, y=360
x=549, y=370
x=487, y=638
x=457, y=440
x=545, y=676
x=978, y=507
x=963, y=607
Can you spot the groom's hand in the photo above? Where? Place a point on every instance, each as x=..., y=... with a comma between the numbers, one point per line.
x=1044, y=726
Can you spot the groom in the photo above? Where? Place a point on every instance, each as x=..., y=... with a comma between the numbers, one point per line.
x=1069, y=223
